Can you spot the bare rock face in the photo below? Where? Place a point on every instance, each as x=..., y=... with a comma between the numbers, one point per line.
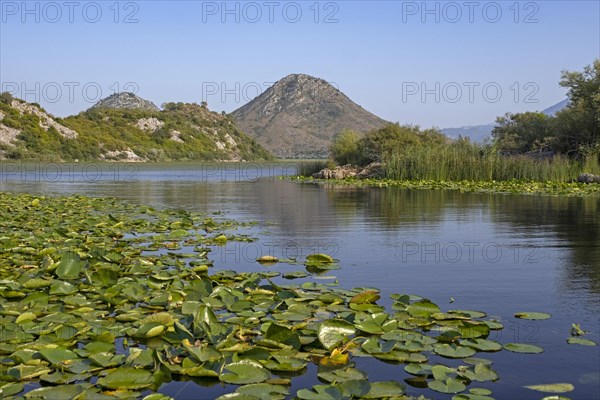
x=373, y=170
x=125, y=100
x=46, y=121
x=299, y=115
x=149, y=124
x=588, y=178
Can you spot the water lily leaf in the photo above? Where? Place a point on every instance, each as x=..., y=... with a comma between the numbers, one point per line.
x=62, y=288
x=480, y=391
x=470, y=330
x=264, y=391
x=334, y=332
x=127, y=378
x=283, y=335
x=523, y=348
x=149, y=330
x=267, y=259
x=320, y=258
x=342, y=375
x=27, y=316
x=581, y=341
x=336, y=359
x=419, y=369
x=482, y=344
x=37, y=283
x=10, y=389
x=471, y=396
x=294, y=275
x=57, y=355
x=70, y=266
x=552, y=387
x=320, y=392
x=453, y=351
x=532, y=315
x=25, y=372
x=476, y=360
x=422, y=308
x=449, y=385
x=481, y=373
x=56, y=392
x=367, y=296
x=385, y=389
x=244, y=372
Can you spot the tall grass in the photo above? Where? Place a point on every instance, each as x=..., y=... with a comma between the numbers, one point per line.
x=307, y=168
x=465, y=161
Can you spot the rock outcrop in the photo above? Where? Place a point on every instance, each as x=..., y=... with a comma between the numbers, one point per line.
x=373, y=170
x=125, y=100
x=588, y=178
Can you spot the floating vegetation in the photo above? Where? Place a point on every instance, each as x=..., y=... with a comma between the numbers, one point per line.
x=508, y=187
x=101, y=299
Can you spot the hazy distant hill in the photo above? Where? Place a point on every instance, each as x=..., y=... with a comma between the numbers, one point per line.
x=123, y=127
x=478, y=133
x=299, y=115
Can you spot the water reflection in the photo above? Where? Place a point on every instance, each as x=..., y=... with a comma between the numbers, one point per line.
x=499, y=253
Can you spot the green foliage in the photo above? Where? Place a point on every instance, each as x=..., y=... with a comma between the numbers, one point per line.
x=573, y=131
x=379, y=144
x=6, y=98
x=520, y=133
x=344, y=149
x=106, y=130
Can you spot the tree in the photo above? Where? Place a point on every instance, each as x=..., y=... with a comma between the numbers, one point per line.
x=520, y=133
x=582, y=117
x=344, y=149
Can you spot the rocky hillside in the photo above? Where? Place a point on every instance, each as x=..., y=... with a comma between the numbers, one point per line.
x=299, y=115
x=123, y=128
x=125, y=100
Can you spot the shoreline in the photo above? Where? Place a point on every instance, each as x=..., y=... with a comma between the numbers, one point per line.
x=570, y=189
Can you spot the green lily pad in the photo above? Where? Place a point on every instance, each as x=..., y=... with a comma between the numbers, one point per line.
x=57, y=355
x=581, y=341
x=332, y=333
x=320, y=258
x=56, y=392
x=552, y=387
x=127, y=378
x=532, y=315
x=453, y=351
x=523, y=348
x=449, y=385
x=422, y=308
x=244, y=372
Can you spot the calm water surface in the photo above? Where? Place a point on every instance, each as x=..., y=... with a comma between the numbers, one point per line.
x=497, y=253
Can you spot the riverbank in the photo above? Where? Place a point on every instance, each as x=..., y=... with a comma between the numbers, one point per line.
x=508, y=187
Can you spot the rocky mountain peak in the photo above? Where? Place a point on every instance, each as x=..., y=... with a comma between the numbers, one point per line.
x=125, y=100
x=299, y=115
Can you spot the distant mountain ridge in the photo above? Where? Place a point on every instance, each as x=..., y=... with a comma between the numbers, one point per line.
x=298, y=116
x=479, y=133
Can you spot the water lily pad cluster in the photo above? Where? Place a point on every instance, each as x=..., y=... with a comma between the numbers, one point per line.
x=101, y=299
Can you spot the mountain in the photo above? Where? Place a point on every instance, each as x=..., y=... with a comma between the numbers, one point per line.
x=299, y=115
x=125, y=100
x=123, y=128
x=478, y=133
x=552, y=110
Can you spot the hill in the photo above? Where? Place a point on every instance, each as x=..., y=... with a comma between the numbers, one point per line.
x=299, y=115
x=123, y=128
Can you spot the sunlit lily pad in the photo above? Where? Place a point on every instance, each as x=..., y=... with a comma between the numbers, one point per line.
x=532, y=315
x=244, y=372
x=552, y=387
x=581, y=341
x=127, y=378
x=523, y=348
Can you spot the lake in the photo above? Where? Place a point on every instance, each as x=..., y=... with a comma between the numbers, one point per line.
x=501, y=254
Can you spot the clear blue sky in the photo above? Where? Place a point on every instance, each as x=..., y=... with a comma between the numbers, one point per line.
x=382, y=54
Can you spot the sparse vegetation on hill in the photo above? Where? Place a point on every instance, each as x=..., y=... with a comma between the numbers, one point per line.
x=179, y=132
